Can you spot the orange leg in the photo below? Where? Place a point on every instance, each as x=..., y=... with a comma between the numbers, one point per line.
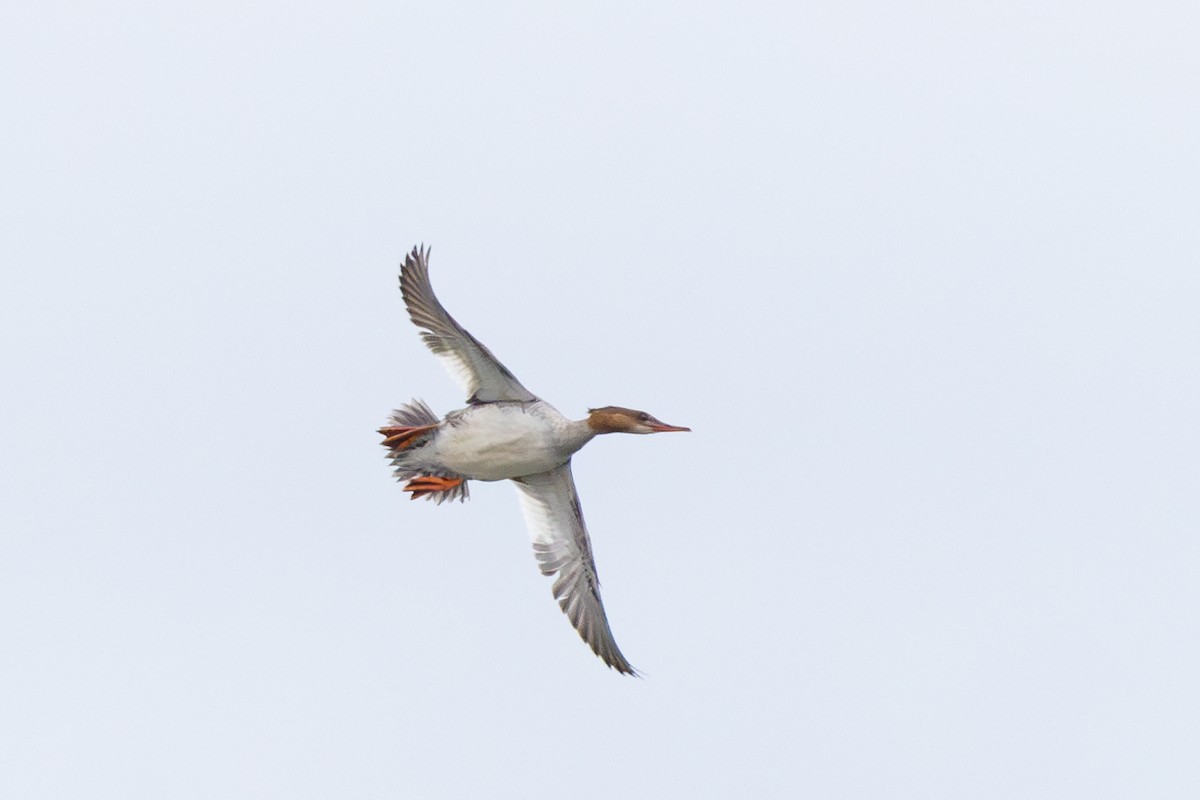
x=402, y=438
x=430, y=484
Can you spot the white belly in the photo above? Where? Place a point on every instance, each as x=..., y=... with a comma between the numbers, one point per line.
x=491, y=443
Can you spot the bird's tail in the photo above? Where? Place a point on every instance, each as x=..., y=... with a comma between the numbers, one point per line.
x=413, y=415
x=410, y=427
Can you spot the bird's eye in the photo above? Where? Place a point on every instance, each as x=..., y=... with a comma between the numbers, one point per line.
x=643, y=417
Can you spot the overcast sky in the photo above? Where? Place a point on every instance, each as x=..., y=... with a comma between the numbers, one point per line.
x=923, y=278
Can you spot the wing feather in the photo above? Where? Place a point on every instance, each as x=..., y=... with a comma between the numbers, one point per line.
x=562, y=547
x=481, y=374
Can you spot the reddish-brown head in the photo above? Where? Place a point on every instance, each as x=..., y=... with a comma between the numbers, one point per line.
x=615, y=419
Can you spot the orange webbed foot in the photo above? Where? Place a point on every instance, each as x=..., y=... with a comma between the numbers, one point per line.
x=398, y=438
x=431, y=484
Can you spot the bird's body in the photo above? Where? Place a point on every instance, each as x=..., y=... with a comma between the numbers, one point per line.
x=506, y=432
x=496, y=441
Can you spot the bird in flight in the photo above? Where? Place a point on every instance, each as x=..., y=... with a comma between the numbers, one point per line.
x=507, y=433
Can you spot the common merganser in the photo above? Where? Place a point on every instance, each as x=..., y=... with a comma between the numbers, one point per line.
x=507, y=432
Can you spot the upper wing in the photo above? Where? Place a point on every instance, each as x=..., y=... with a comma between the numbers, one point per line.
x=484, y=378
x=561, y=544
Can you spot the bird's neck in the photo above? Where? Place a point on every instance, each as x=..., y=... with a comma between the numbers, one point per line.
x=575, y=434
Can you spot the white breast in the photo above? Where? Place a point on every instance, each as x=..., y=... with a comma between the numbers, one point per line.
x=496, y=441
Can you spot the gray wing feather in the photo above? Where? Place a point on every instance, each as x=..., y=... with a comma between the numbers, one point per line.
x=481, y=374
x=562, y=547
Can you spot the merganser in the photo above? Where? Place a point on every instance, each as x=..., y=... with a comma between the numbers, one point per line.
x=507, y=433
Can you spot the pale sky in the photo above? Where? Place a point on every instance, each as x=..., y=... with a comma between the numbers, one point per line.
x=923, y=278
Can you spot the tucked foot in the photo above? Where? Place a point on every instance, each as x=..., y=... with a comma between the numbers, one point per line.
x=399, y=438
x=432, y=484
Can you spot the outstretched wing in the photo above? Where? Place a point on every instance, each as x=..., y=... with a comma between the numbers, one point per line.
x=483, y=377
x=561, y=544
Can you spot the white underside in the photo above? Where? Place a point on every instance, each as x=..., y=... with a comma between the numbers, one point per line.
x=495, y=442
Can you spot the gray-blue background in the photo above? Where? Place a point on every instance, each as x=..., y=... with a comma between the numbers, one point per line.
x=924, y=279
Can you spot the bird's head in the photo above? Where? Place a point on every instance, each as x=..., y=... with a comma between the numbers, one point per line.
x=614, y=419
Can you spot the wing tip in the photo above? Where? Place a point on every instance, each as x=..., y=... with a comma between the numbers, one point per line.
x=419, y=255
x=625, y=668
